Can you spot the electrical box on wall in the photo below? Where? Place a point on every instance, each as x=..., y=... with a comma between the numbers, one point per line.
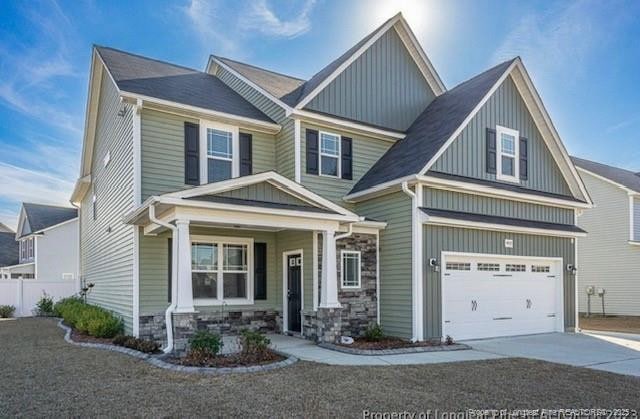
x=508, y=243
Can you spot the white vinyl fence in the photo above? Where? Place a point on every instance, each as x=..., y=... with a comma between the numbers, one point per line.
x=23, y=294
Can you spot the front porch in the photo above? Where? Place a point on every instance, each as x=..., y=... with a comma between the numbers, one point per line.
x=238, y=262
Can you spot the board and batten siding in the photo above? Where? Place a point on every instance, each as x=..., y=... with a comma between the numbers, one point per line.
x=438, y=239
x=466, y=154
x=107, y=243
x=162, y=150
x=605, y=257
x=266, y=192
x=455, y=201
x=366, y=151
x=395, y=260
x=382, y=87
x=154, y=271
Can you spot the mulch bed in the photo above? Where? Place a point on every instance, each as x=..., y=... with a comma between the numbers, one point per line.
x=624, y=324
x=80, y=337
x=228, y=361
x=386, y=343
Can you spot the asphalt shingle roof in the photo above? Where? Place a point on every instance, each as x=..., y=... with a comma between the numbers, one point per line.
x=8, y=249
x=146, y=76
x=43, y=216
x=624, y=177
x=431, y=130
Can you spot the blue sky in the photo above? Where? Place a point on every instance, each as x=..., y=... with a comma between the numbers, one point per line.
x=584, y=57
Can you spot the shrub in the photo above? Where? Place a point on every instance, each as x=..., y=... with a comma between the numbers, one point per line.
x=449, y=340
x=6, y=312
x=374, y=333
x=44, y=306
x=206, y=343
x=88, y=319
x=141, y=345
x=254, y=342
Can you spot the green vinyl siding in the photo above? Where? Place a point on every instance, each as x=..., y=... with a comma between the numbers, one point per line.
x=162, y=149
x=294, y=240
x=439, y=239
x=382, y=87
x=107, y=244
x=285, y=155
x=264, y=192
x=466, y=155
x=366, y=151
x=463, y=202
x=395, y=260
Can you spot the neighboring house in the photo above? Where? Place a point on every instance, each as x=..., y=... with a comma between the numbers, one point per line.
x=239, y=197
x=5, y=229
x=47, y=242
x=8, y=250
x=609, y=258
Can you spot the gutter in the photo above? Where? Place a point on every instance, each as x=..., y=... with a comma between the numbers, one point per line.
x=168, y=315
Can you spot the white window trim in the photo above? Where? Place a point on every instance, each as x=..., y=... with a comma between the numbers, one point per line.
x=342, y=255
x=220, y=241
x=204, y=157
x=338, y=157
x=516, y=157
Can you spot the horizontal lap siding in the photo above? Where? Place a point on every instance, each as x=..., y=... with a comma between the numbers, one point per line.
x=395, y=260
x=450, y=239
x=466, y=155
x=107, y=244
x=454, y=201
x=605, y=257
x=366, y=151
x=382, y=87
x=154, y=271
x=294, y=240
x=285, y=155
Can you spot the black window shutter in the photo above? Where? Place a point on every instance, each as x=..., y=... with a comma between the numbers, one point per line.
x=491, y=151
x=347, y=158
x=312, y=152
x=169, y=267
x=191, y=154
x=260, y=271
x=246, y=155
x=524, y=159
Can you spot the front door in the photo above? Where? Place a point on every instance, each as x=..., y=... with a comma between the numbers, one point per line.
x=294, y=293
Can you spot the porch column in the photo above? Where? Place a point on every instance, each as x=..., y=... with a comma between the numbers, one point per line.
x=329, y=281
x=184, y=301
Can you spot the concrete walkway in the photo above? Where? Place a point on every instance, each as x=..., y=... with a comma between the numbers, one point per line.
x=614, y=352
x=308, y=351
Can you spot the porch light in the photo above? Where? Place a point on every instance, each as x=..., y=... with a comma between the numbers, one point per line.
x=572, y=268
x=433, y=262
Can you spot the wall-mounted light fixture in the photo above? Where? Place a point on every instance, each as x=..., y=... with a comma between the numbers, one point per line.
x=572, y=269
x=122, y=112
x=433, y=262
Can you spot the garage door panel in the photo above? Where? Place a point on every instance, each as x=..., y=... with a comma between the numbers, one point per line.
x=483, y=297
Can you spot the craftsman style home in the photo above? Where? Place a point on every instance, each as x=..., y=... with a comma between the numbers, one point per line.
x=610, y=255
x=241, y=197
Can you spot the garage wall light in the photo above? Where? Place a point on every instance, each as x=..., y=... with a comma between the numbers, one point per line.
x=572, y=269
x=433, y=262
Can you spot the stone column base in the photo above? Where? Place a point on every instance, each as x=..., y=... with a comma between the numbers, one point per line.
x=324, y=326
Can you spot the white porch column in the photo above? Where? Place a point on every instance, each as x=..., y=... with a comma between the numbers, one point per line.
x=329, y=288
x=184, y=301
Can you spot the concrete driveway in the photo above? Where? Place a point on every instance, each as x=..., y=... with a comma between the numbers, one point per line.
x=607, y=351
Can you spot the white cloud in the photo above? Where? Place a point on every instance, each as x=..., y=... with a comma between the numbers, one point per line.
x=210, y=26
x=265, y=20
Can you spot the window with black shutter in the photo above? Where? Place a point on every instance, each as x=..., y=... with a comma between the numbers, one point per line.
x=191, y=153
x=347, y=158
x=312, y=152
x=246, y=163
x=260, y=271
x=491, y=151
x=524, y=158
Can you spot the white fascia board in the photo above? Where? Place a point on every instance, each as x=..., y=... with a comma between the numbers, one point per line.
x=379, y=189
x=56, y=226
x=80, y=190
x=356, y=127
x=449, y=222
x=148, y=102
x=21, y=219
x=91, y=111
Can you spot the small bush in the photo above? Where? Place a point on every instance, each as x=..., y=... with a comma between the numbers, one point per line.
x=254, y=342
x=88, y=319
x=449, y=340
x=206, y=343
x=141, y=345
x=6, y=312
x=374, y=333
x=44, y=306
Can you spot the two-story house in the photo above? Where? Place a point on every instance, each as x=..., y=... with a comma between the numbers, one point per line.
x=8, y=250
x=242, y=197
x=47, y=243
x=610, y=257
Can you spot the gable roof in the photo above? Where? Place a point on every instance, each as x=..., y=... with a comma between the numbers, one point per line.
x=626, y=178
x=5, y=229
x=158, y=79
x=431, y=130
x=41, y=217
x=8, y=249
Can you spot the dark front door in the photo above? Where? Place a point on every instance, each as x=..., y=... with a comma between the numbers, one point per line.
x=294, y=293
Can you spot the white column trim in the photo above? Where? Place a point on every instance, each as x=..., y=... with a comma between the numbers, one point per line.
x=378, y=277
x=314, y=266
x=329, y=289
x=631, y=218
x=184, y=299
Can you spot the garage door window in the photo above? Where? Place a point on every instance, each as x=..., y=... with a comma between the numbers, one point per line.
x=489, y=267
x=516, y=268
x=458, y=266
x=540, y=268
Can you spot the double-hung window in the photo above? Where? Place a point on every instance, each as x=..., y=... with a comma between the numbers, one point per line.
x=351, y=275
x=329, y=154
x=507, y=162
x=219, y=157
x=221, y=270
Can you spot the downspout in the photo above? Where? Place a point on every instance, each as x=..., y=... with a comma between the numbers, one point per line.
x=414, y=263
x=168, y=315
x=347, y=234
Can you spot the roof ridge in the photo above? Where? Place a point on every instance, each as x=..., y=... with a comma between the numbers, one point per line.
x=133, y=54
x=258, y=68
x=483, y=73
x=632, y=172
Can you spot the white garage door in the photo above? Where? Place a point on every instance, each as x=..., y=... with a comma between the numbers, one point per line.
x=496, y=296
